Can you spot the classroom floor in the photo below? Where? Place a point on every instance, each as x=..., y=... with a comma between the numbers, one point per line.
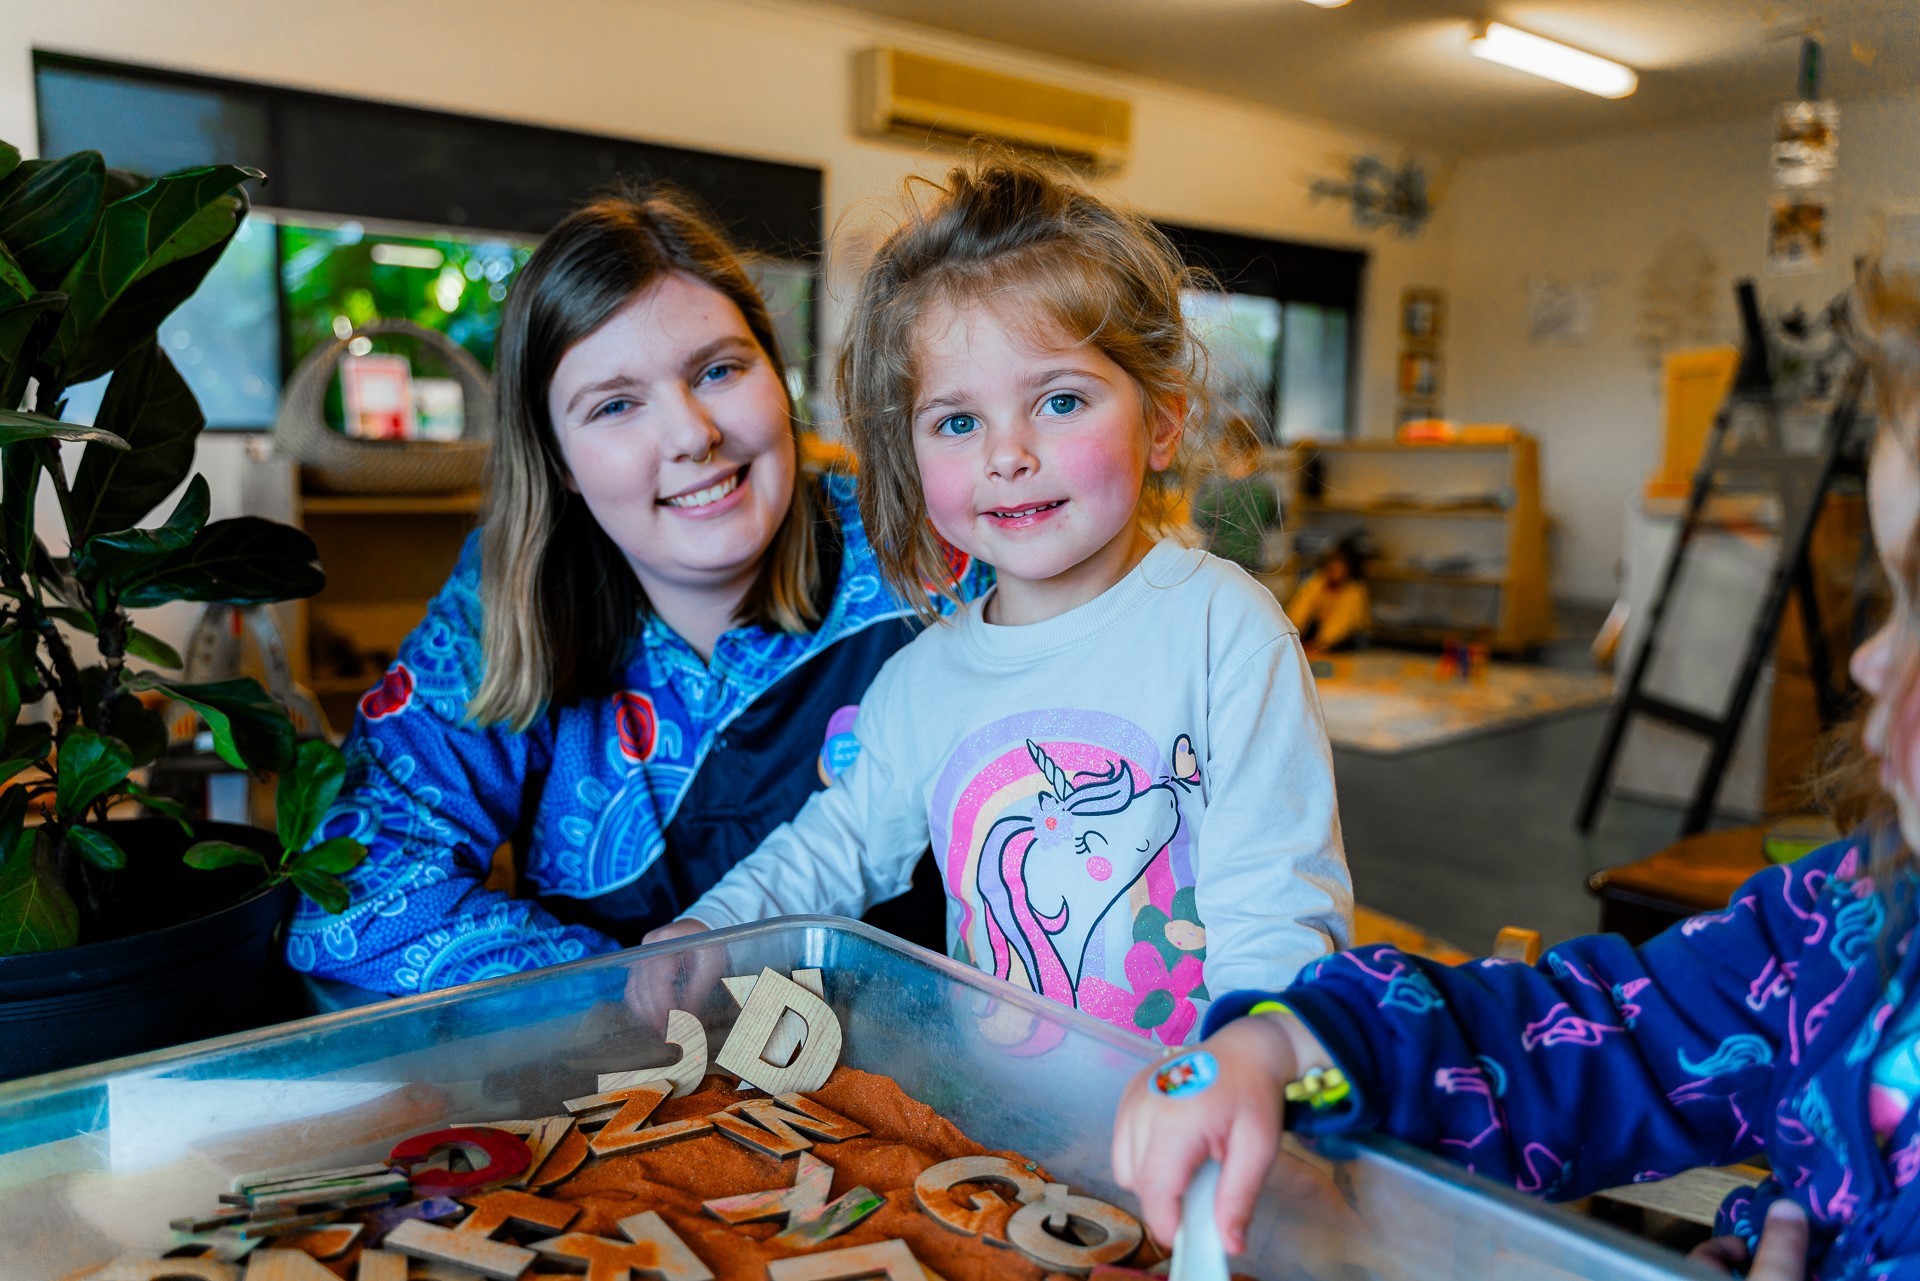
x=1461, y=840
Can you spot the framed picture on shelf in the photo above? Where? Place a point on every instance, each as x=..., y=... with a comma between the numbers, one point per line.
x=1422, y=316
x=1419, y=375
x=378, y=394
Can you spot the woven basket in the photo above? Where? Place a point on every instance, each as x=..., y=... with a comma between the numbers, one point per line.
x=343, y=464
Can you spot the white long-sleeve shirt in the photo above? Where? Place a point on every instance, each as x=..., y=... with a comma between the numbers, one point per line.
x=1131, y=803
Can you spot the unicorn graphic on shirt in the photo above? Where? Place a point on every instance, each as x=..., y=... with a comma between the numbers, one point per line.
x=1073, y=853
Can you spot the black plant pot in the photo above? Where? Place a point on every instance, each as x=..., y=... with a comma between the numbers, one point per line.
x=165, y=969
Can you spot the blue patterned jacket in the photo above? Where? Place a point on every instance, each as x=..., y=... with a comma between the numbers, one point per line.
x=623, y=809
x=1737, y=1034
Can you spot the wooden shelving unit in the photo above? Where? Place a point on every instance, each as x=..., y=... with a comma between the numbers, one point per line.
x=1460, y=528
x=385, y=556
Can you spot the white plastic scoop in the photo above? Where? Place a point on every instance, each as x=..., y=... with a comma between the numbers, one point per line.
x=1198, y=1252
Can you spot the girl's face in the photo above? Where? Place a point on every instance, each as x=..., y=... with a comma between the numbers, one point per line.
x=675, y=430
x=1032, y=451
x=1893, y=507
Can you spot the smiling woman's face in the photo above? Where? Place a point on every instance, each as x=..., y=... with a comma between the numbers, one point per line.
x=677, y=433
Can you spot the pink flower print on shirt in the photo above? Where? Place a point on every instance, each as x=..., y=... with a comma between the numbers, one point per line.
x=1160, y=1003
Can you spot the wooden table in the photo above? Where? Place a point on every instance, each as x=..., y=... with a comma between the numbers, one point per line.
x=1693, y=875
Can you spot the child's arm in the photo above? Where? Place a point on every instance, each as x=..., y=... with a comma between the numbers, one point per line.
x=1600, y=1065
x=1272, y=886
x=851, y=846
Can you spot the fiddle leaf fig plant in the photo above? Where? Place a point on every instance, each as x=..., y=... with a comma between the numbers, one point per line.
x=92, y=260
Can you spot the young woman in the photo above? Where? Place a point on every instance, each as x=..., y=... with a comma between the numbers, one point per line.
x=647, y=658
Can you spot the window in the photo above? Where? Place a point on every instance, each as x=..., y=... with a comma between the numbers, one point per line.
x=1278, y=331
x=359, y=195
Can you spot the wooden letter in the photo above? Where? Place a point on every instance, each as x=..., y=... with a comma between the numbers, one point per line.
x=501, y=1158
x=686, y=1073
x=791, y=1029
x=285, y=1265
x=812, y=1227
x=889, y=1259
x=497, y=1209
x=137, y=1269
x=655, y=1252
x=934, y=1191
x=328, y=1241
x=812, y=1181
x=564, y=1160
x=822, y=1124
x=1116, y=1234
x=744, y=1053
x=543, y=1135
x=382, y=1265
x=764, y=1128
x=497, y=1259
x=636, y=1105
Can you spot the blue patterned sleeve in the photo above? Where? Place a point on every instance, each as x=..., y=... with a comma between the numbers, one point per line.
x=432, y=797
x=1600, y=1066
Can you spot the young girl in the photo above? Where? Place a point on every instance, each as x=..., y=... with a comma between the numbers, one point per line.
x=1782, y=1026
x=1118, y=752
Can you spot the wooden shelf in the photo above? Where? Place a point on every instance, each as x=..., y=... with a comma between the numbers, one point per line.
x=385, y=556
x=466, y=504
x=1315, y=507
x=1380, y=483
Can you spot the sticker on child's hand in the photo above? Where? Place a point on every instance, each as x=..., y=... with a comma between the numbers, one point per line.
x=1190, y=1073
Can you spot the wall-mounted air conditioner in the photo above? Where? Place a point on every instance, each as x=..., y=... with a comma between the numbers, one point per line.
x=909, y=95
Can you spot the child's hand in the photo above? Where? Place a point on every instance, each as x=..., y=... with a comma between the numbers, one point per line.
x=673, y=930
x=1159, y=1140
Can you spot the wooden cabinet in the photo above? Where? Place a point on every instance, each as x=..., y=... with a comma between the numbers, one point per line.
x=1458, y=529
x=385, y=556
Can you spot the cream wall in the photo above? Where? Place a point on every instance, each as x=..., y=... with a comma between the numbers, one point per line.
x=757, y=77
x=1603, y=214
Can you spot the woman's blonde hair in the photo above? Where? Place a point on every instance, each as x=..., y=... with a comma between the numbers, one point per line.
x=1885, y=323
x=999, y=229
x=561, y=604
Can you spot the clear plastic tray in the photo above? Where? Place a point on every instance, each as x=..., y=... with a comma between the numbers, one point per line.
x=95, y=1161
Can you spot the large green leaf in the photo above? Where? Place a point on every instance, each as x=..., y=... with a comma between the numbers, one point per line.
x=341, y=854
x=243, y=561
x=324, y=889
x=88, y=765
x=16, y=673
x=16, y=426
x=48, y=211
x=211, y=855
x=143, y=731
x=9, y=158
x=14, y=285
x=119, y=553
x=36, y=913
x=250, y=730
x=305, y=791
x=147, y=646
x=97, y=848
x=137, y=316
x=26, y=746
x=172, y=218
x=25, y=328
x=149, y=406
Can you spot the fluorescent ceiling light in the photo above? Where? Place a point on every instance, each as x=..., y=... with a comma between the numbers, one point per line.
x=386, y=255
x=1555, y=61
x=1328, y=4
